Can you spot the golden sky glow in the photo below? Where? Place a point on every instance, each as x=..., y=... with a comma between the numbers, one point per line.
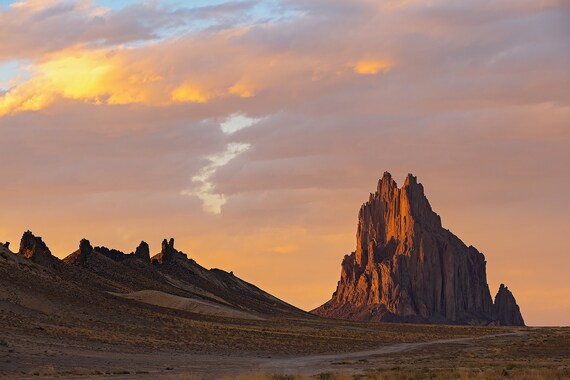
x=188, y=93
x=252, y=133
x=370, y=67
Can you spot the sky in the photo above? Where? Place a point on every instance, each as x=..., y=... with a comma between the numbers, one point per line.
x=252, y=131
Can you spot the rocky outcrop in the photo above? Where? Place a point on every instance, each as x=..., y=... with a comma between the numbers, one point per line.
x=113, y=254
x=85, y=251
x=82, y=255
x=143, y=251
x=33, y=248
x=168, y=253
x=406, y=267
x=506, y=311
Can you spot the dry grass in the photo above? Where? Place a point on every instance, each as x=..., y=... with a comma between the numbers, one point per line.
x=560, y=373
x=472, y=373
x=256, y=375
x=48, y=370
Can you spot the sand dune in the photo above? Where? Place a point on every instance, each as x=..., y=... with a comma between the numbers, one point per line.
x=158, y=298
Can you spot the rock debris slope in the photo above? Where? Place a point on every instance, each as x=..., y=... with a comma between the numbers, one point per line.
x=408, y=268
x=97, y=275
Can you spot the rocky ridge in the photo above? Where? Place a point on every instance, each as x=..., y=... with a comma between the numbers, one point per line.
x=169, y=275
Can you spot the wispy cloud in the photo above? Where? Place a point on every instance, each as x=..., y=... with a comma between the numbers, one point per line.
x=236, y=122
x=204, y=188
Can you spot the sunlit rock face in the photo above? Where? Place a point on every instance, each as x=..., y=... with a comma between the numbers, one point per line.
x=407, y=268
x=33, y=248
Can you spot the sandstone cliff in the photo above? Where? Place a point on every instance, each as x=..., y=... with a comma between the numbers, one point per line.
x=406, y=267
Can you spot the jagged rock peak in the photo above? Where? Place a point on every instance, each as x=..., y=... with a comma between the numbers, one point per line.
x=85, y=251
x=33, y=247
x=168, y=252
x=143, y=251
x=113, y=254
x=407, y=267
x=31, y=244
x=392, y=213
x=168, y=245
x=506, y=310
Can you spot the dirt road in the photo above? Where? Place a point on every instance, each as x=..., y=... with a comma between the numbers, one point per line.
x=355, y=361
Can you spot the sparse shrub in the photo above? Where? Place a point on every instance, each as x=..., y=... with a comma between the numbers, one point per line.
x=80, y=371
x=334, y=376
x=283, y=377
x=48, y=370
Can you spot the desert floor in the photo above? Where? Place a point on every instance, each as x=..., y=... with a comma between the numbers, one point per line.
x=178, y=345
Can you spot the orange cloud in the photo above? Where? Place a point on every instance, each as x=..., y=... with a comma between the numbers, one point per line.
x=118, y=77
x=242, y=90
x=92, y=76
x=188, y=93
x=97, y=77
x=372, y=67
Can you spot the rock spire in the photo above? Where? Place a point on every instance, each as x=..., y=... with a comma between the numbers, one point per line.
x=406, y=267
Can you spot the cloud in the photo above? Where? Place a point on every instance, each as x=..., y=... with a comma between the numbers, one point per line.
x=371, y=67
x=204, y=188
x=273, y=133
x=32, y=28
x=237, y=122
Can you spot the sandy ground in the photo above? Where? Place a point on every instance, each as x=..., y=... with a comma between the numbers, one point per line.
x=158, y=298
x=29, y=358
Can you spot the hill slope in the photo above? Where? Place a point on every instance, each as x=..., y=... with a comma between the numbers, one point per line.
x=109, y=277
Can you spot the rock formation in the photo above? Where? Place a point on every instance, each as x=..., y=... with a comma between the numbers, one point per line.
x=85, y=251
x=113, y=254
x=33, y=248
x=168, y=253
x=506, y=310
x=408, y=268
x=143, y=252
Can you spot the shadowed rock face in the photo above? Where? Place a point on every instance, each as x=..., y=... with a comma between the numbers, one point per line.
x=406, y=267
x=33, y=248
x=85, y=251
x=97, y=279
x=168, y=253
x=143, y=252
x=506, y=310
